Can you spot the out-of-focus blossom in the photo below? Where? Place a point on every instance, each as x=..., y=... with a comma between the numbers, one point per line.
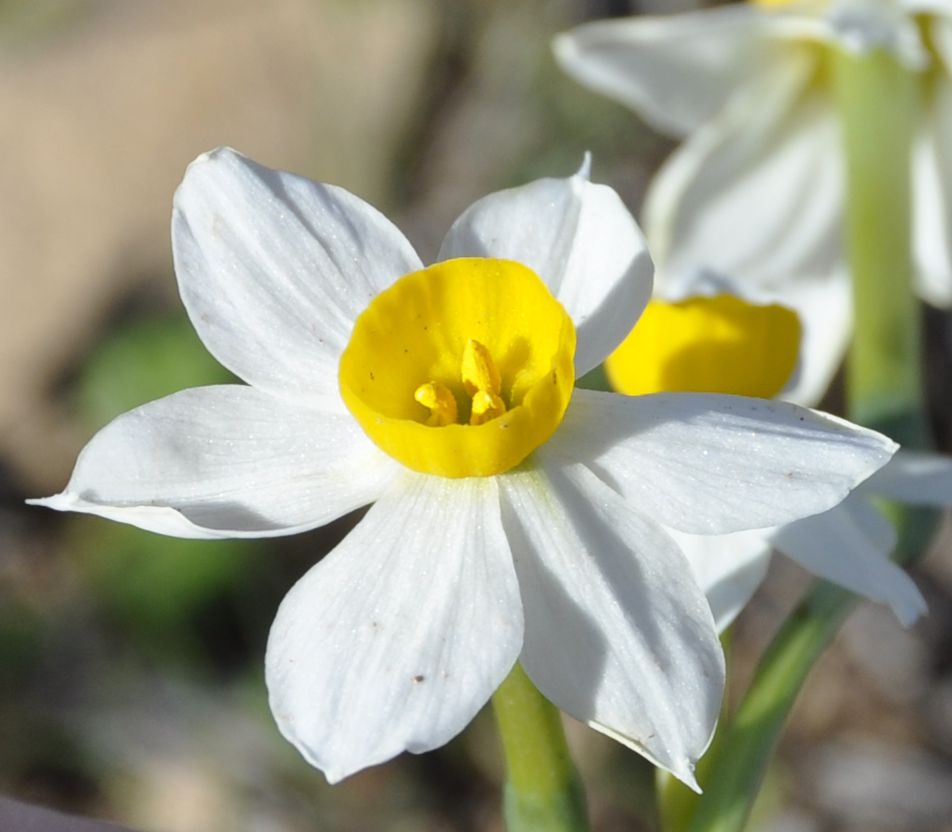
x=756, y=190
x=718, y=342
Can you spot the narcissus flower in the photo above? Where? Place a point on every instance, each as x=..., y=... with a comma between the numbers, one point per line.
x=513, y=517
x=721, y=343
x=756, y=190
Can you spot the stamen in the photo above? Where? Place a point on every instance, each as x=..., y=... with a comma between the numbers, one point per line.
x=486, y=406
x=482, y=381
x=440, y=401
x=478, y=370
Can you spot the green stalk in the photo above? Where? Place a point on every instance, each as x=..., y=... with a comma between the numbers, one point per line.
x=738, y=772
x=879, y=106
x=543, y=791
x=734, y=776
x=878, y=102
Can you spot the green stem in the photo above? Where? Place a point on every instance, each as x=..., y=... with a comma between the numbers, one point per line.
x=743, y=754
x=543, y=791
x=878, y=101
x=750, y=740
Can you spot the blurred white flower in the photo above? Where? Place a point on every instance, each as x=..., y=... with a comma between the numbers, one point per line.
x=500, y=531
x=849, y=545
x=756, y=190
x=715, y=341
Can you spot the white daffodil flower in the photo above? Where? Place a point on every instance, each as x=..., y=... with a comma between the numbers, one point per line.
x=756, y=190
x=513, y=519
x=712, y=340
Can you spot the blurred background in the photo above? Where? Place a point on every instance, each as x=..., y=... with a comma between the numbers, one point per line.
x=131, y=666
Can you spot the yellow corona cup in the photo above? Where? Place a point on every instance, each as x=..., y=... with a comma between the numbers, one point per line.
x=718, y=344
x=461, y=369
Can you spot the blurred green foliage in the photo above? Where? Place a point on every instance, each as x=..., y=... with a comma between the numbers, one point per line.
x=170, y=596
x=23, y=21
x=139, y=362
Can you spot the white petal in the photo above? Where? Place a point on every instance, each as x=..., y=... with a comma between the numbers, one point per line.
x=617, y=632
x=399, y=636
x=273, y=269
x=850, y=546
x=728, y=567
x=864, y=26
x=675, y=71
x=580, y=239
x=712, y=464
x=914, y=477
x=227, y=461
x=825, y=308
x=932, y=194
x=942, y=8
x=758, y=192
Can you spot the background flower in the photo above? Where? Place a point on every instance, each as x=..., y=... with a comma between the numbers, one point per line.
x=751, y=348
x=756, y=189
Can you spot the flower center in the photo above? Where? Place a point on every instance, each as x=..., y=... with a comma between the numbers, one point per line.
x=461, y=369
x=718, y=344
x=482, y=383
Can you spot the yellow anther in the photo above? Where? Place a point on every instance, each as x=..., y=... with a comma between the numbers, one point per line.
x=440, y=401
x=486, y=406
x=478, y=370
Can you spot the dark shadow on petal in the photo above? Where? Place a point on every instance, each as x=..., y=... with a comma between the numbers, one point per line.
x=626, y=581
x=225, y=515
x=548, y=610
